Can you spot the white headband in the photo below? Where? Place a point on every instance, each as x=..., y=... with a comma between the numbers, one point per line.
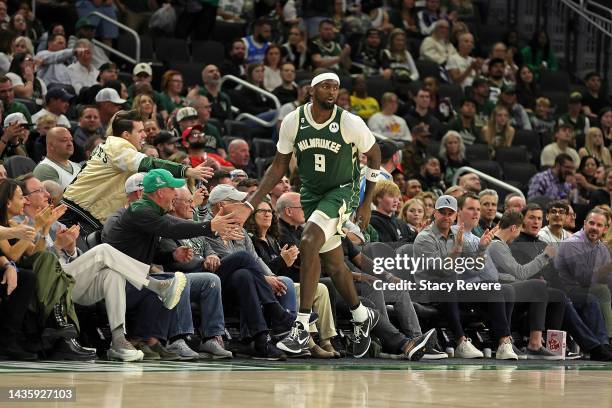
x=324, y=77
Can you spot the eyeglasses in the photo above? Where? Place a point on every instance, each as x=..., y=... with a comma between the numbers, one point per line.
x=264, y=211
x=295, y=207
x=557, y=212
x=188, y=201
x=40, y=190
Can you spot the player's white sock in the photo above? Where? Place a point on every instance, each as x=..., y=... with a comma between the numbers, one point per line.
x=304, y=318
x=360, y=314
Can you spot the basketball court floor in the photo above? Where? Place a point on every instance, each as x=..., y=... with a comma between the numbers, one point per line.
x=312, y=383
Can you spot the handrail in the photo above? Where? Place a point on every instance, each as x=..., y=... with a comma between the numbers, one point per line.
x=585, y=8
x=136, y=58
x=487, y=178
x=245, y=115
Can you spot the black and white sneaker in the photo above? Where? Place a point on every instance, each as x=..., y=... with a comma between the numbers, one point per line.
x=296, y=341
x=416, y=346
x=361, y=333
x=433, y=354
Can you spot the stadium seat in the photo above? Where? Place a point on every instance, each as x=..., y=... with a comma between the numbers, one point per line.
x=512, y=154
x=488, y=167
x=17, y=165
x=237, y=129
x=127, y=45
x=428, y=68
x=30, y=104
x=558, y=100
x=262, y=164
x=433, y=148
x=528, y=138
x=191, y=71
x=377, y=86
x=490, y=34
x=263, y=148
x=452, y=91
x=229, y=139
x=171, y=50
x=521, y=172
x=477, y=151
x=208, y=52
x=555, y=81
x=225, y=32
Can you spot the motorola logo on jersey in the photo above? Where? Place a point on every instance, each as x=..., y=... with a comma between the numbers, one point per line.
x=334, y=128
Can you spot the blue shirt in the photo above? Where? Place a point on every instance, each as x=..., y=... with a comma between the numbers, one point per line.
x=578, y=259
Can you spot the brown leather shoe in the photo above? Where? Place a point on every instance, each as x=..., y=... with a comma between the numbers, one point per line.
x=318, y=352
x=330, y=349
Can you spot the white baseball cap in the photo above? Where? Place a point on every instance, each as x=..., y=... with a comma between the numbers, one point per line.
x=224, y=192
x=15, y=117
x=109, y=95
x=186, y=112
x=134, y=183
x=446, y=201
x=142, y=67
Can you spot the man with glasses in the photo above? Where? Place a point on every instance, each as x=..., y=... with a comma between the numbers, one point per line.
x=555, y=183
x=554, y=232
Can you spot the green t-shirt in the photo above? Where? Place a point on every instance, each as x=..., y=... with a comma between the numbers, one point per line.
x=169, y=105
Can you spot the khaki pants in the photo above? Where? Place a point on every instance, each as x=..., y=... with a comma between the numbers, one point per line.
x=322, y=307
x=101, y=273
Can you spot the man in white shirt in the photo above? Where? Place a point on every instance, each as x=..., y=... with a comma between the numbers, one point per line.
x=563, y=138
x=57, y=166
x=437, y=47
x=53, y=69
x=461, y=67
x=554, y=233
x=387, y=123
x=82, y=72
x=57, y=101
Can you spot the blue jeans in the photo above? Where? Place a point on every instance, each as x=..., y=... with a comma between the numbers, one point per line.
x=203, y=288
x=289, y=300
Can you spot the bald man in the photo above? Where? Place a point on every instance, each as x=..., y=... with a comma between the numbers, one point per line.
x=239, y=155
x=56, y=166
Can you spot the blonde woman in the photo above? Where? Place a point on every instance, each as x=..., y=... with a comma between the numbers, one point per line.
x=413, y=213
x=498, y=132
x=429, y=199
x=594, y=146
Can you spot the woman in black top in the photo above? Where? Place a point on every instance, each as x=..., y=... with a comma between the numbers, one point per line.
x=527, y=90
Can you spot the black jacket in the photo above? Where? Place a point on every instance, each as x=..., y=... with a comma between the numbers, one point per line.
x=288, y=234
x=391, y=228
x=137, y=230
x=270, y=252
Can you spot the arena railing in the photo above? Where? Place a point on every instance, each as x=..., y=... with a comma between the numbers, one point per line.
x=100, y=44
x=246, y=115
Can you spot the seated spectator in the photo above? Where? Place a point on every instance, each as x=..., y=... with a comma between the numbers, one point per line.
x=437, y=47
x=165, y=143
x=463, y=68
x=563, y=140
x=484, y=106
x=89, y=125
x=53, y=69
x=527, y=90
x=230, y=11
x=344, y=100
x=470, y=182
x=53, y=308
x=250, y=101
x=203, y=106
x=239, y=155
x=57, y=101
x=605, y=124
x=272, y=68
x=413, y=188
x=15, y=133
x=553, y=232
x=500, y=51
x=555, y=183
x=56, y=166
x=430, y=176
x=594, y=146
x=82, y=72
x=582, y=263
x=282, y=187
x=26, y=84
x=257, y=43
x=363, y=105
x=201, y=148
x=603, y=196
x=367, y=58
x=324, y=52
x=496, y=78
x=294, y=50
x=108, y=103
x=422, y=113
x=586, y=180
x=514, y=201
x=415, y=153
x=303, y=95
x=145, y=105
x=452, y=155
x=235, y=63
x=413, y=213
x=396, y=61
x=287, y=91
x=150, y=151
x=407, y=19
x=577, y=119
x=9, y=104
x=440, y=105
x=85, y=28
x=518, y=115
x=19, y=27
x=428, y=17
x=171, y=89
x=263, y=230
x=143, y=74
x=36, y=144
x=465, y=123
x=538, y=55
x=542, y=120
x=220, y=101
x=498, y=132
x=594, y=99
x=387, y=123
x=488, y=203
x=389, y=161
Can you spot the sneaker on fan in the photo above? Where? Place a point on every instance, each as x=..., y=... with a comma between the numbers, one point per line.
x=505, y=351
x=124, y=352
x=183, y=350
x=215, y=348
x=296, y=341
x=467, y=350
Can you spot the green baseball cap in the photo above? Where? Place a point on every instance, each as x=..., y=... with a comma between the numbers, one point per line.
x=160, y=178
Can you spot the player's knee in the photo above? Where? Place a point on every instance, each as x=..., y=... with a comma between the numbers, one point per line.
x=309, y=243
